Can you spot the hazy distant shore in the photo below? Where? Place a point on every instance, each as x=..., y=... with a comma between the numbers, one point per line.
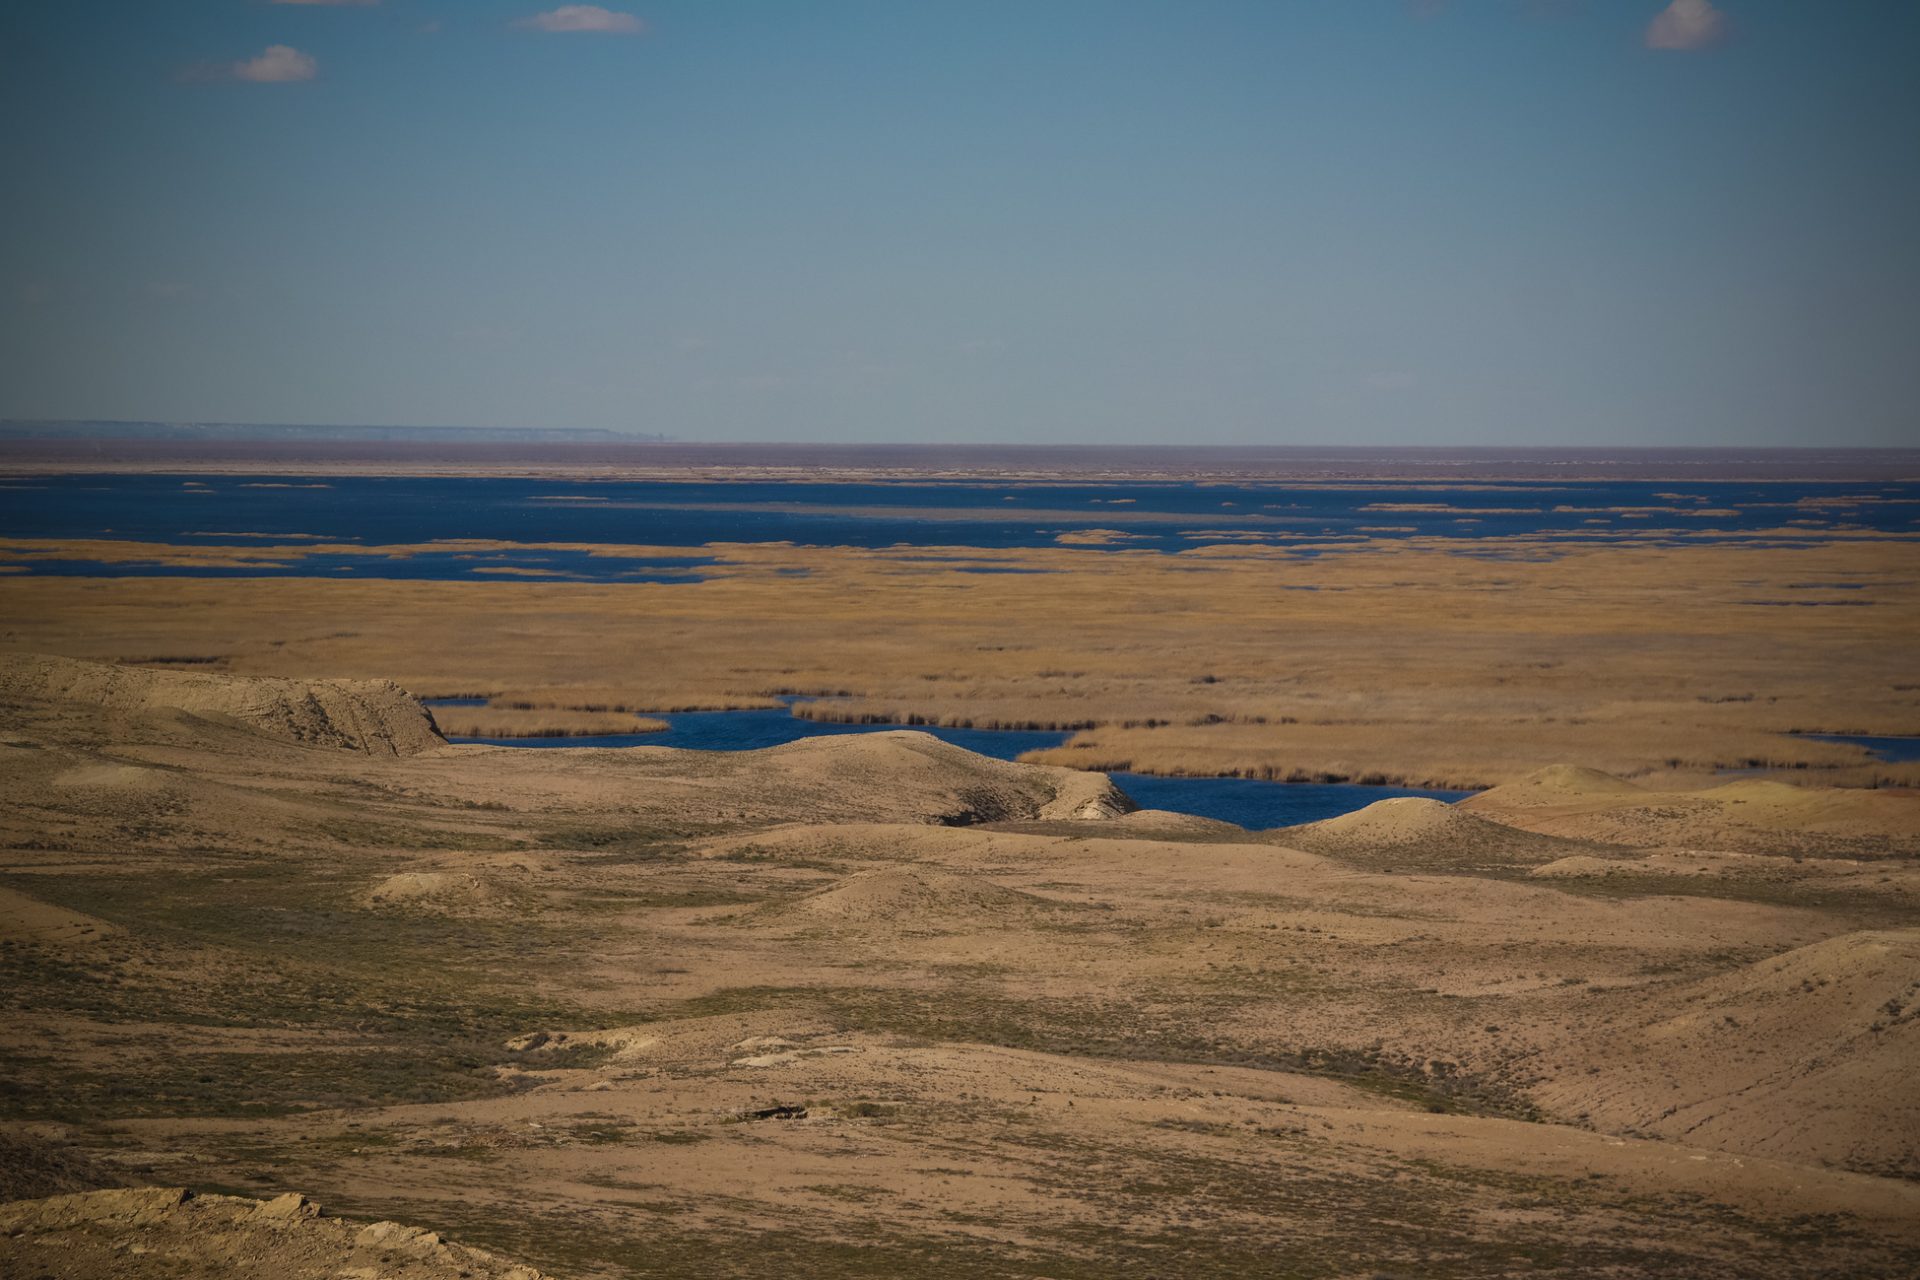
x=623, y=460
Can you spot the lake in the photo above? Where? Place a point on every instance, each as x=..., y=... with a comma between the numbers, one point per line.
x=337, y=516
x=1886, y=750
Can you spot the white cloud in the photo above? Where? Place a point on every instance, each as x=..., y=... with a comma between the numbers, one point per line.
x=1685, y=25
x=277, y=64
x=585, y=17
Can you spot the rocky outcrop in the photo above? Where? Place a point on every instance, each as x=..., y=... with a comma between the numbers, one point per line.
x=170, y=1232
x=377, y=717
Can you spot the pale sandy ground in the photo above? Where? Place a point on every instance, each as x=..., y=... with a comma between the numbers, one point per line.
x=875, y=1006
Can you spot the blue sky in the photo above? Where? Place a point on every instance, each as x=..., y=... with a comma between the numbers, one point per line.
x=1354, y=221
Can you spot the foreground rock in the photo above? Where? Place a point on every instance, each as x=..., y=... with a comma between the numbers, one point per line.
x=166, y=1231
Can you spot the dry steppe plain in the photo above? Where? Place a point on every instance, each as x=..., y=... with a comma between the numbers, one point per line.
x=875, y=1006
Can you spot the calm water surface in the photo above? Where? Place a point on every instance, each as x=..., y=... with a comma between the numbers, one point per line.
x=349, y=513
x=1889, y=750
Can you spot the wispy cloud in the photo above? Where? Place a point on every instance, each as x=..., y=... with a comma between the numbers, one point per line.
x=277, y=64
x=1686, y=25
x=585, y=18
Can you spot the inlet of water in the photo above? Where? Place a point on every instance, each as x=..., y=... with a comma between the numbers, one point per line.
x=1247, y=802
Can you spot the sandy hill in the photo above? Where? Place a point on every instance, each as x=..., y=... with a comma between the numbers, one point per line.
x=1834, y=811
x=988, y=787
x=1557, y=784
x=373, y=716
x=1805, y=1056
x=915, y=896
x=1416, y=832
x=1164, y=822
x=1401, y=820
x=1750, y=815
x=162, y=1231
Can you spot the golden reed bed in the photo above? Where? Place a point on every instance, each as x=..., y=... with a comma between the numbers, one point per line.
x=1420, y=662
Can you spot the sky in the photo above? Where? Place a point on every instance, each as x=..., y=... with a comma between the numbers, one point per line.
x=1502, y=222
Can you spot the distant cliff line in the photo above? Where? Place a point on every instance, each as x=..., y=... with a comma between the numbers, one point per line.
x=59, y=429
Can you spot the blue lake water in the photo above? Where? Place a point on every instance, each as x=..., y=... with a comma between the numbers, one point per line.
x=1889, y=750
x=272, y=514
x=1245, y=802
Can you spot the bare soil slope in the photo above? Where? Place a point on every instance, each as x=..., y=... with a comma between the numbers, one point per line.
x=1809, y=1054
